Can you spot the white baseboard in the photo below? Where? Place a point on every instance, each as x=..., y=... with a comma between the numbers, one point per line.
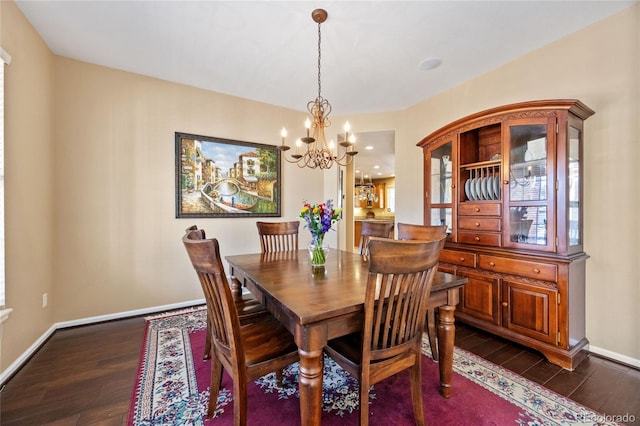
x=615, y=356
x=10, y=371
x=22, y=359
x=127, y=314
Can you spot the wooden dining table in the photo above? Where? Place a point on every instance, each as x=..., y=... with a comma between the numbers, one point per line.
x=317, y=305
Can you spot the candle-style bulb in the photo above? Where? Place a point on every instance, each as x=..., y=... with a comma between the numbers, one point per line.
x=307, y=124
x=347, y=127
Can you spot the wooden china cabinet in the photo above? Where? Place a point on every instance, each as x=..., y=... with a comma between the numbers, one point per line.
x=508, y=182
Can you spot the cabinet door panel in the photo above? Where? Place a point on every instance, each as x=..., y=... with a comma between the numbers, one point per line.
x=357, y=230
x=530, y=194
x=480, y=297
x=440, y=186
x=531, y=310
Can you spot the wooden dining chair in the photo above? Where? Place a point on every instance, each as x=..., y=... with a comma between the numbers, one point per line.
x=248, y=307
x=373, y=229
x=407, y=231
x=278, y=236
x=246, y=352
x=398, y=285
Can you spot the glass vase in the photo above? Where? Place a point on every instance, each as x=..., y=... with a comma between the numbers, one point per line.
x=318, y=251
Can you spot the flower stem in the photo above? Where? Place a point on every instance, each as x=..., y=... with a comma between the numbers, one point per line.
x=317, y=254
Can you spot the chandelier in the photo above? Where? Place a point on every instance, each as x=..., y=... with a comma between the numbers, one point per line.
x=366, y=191
x=313, y=151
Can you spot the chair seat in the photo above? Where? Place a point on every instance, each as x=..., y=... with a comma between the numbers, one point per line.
x=249, y=308
x=349, y=346
x=265, y=340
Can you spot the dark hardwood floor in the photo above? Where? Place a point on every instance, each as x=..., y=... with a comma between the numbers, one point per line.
x=85, y=376
x=80, y=376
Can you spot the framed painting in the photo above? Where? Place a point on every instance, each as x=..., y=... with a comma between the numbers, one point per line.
x=218, y=177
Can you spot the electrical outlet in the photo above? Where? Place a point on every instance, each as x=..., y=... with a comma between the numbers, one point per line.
x=44, y=300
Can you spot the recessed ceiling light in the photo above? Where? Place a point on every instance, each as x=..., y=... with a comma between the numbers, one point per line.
x=430, y=63
x=369, y=147
x=376, y=167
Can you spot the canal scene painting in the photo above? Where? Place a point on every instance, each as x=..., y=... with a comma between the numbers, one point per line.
x=218, y=177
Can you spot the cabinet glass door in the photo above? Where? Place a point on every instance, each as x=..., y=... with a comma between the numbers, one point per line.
x=529, y=194
x=575, y=190
x=440, y=186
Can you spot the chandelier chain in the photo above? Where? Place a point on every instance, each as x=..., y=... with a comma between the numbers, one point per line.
x=319, y=56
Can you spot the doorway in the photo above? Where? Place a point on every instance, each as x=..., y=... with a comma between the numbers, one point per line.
x=373, y=166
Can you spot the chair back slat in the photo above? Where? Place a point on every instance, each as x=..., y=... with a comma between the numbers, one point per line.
x=373, y=229
x=278, y=236
x=216, y=313
x=398, y=286
x=407, y=231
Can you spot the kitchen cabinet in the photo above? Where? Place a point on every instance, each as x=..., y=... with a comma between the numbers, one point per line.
x=509, y=182
x=357, y=228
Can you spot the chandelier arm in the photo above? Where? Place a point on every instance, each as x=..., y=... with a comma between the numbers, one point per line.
x=291, y=161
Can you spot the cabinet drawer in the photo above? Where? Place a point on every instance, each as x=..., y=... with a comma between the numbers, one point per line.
x=479, y=209
x=485, y=239
x=535, y=270
x=456, y=257
x=479, y=223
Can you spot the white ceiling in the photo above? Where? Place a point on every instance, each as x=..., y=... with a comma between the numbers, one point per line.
x=267, y=50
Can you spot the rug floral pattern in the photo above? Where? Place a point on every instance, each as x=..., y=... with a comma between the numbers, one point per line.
x=167, y=392
x=542, y=406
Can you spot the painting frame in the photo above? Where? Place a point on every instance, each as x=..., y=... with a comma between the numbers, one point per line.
x=225, y=178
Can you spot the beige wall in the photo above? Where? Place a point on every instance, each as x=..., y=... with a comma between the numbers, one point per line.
x=90, y=175
x=29, y=184
x=117, y=242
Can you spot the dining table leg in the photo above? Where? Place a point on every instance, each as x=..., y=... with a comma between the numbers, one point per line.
x=446, y=337
x=310, y=386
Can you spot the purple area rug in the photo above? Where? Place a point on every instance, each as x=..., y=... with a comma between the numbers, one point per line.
x=172, y=389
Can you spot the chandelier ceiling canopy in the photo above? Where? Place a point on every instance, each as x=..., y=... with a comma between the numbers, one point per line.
x=313, y=150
